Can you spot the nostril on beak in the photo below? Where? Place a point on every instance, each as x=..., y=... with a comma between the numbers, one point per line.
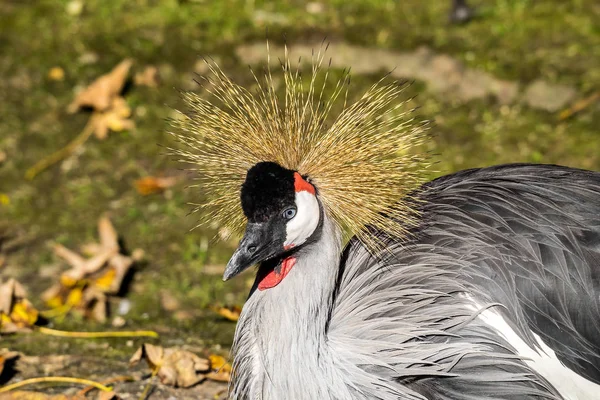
x=251, y=249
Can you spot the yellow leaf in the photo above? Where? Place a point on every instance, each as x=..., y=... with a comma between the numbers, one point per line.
x=219, y=363
x=55, y=301
x=67, y=281
x=56, y=74
x=231, y=313
x=4, y=199
x=115, y=124
x=4, y=319
x=24, y=314
x=105, y=281
x=74, y=297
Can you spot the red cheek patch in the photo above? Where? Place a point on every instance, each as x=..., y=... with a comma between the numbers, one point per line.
x=273, y=278
x=300, y=184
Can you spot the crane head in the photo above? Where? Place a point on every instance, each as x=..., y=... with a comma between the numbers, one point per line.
x=283, y=214
x=365, y=159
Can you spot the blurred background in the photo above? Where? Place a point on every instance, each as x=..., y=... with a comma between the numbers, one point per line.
x=518, y=81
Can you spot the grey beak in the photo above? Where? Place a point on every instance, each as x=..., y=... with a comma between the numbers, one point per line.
x=249, y=250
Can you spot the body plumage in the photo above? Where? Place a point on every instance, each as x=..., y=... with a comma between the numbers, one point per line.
x=484, y=284
x=520, y=241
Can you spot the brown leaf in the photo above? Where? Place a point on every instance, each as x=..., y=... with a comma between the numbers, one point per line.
x=151, y=353
x=86, y=286
x=83, y=267
x=108, y=234
x=113, y=119
x=118, y=267
x=221, y=369
x=148, y=77
x=103, y=252
x=72, y=258
x=5, y=357
x=138, y=255
x=100, y=94
x=176, y=367
x=152, y=184
x=95, y=305
x=232, y=313
x=9, y=292
x=89, y=249
x=108, y=396
x=220, y=376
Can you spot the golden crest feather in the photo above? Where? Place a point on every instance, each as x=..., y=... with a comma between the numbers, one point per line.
x=363, y=161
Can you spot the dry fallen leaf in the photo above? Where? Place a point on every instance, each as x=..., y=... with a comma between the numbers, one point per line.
x=232, y=313
x=95, y=305
x=7, y=357
x=174, y=367
x=221, y=369
x=113, y=119
x=81, y=266
x=152, y=184
x=17, y=314
x=100, y=94
x=148, y=77
x=108, y=396
x=85, y=288
x=111, y=113
x=118, y=267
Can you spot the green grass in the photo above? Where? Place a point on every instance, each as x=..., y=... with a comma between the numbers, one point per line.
x=556, y=41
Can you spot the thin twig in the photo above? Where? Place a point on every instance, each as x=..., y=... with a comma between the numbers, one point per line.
x=121, y=378
x=579, y=106
x=93, y=335
x=149, y=384
x=64, y=152
x=55, y=379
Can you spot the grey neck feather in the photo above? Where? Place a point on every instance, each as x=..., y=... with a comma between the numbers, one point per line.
x=281, y=335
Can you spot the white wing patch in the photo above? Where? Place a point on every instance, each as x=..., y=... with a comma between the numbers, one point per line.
x=299, y=228
x=543, y=360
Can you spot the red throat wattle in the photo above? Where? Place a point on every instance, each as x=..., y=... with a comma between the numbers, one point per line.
x=273, y=278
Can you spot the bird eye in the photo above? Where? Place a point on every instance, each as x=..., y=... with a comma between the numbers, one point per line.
x=289, y=213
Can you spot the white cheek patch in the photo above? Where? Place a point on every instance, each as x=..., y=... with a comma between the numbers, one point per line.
x=299, y=228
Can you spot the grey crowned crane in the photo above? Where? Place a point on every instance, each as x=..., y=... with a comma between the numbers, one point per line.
x=483, y=284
